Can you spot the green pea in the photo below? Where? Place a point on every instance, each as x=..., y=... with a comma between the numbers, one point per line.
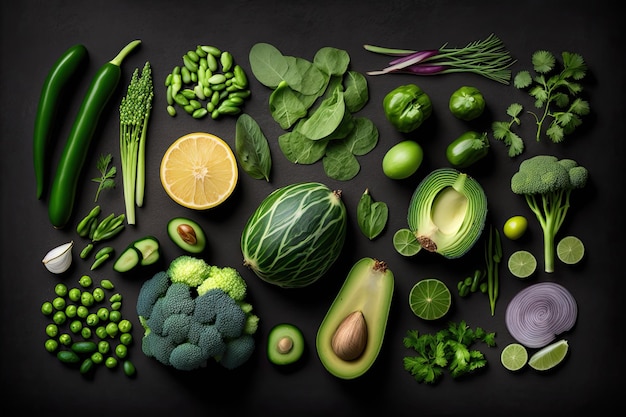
x=103, y=313
x=59, y=317
x=52, y=330
x=112, y=329
x=126, y=339
x=71, y=310
x=97, y=357
x=85, y=332
x=101, y=332
x=125, y=326
x=74, y=294
x=107, y=284
x=85, y=281
x=47, y=308
x=104, y=347
x=115, y=316
x=171, y=111
x=82, y=312
x=59, y=303
x=98, y=294
x=93, y=320
x=115, y=297
x=76, y=326
x=129, y=368
x=121, y=351
x=87, y=299
x=65, y=339
x=51, y=345
x=110, y=362
x=199, y=113
x=60, y=289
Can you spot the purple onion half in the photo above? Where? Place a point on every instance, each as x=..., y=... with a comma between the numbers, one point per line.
x=539, y=313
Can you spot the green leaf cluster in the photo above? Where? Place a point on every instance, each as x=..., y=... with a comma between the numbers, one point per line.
x=556, y=93
x=503, y=130
x=449, y=348
x=371, y=215
x=314, y=101
x=106, y=180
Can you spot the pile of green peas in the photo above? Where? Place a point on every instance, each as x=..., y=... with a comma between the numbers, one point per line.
x=85, y=331
x=208, y=83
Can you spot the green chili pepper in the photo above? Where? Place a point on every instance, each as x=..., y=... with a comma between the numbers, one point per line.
x=467, y=149
x=103, y=85
x=467, y=103
x=63, y=70
x=407, y=107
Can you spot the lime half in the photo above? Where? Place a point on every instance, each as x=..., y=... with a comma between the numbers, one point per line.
x=430, y=299
x=522, y=264
x=550, y=356
x=405, y=242
x=514, y=356
x=570, y=250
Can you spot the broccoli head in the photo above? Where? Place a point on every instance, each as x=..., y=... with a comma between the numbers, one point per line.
x=546, y=184
x=186, y=325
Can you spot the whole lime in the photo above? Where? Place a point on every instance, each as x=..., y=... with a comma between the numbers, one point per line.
x=402, y=160
x=515, y=227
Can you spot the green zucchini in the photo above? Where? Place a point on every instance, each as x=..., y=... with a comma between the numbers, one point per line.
x=128, y=259
x=103, y=85
x=57, y=80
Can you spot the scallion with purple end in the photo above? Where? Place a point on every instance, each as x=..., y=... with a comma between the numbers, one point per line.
x=488, y=58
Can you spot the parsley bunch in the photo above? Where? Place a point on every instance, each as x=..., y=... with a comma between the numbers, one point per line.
x=448, y=348
x=555, y=94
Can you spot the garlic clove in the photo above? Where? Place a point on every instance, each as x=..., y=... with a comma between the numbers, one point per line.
x=59, y=259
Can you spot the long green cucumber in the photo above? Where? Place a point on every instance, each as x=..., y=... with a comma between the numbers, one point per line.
x=103, y=85
x=55, y=84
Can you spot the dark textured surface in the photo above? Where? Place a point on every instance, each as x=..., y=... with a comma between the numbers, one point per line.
x=34, y=34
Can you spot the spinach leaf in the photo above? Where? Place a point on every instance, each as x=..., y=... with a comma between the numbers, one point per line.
x=339, y=163
x=356, y=93
x=285, y=107
x=299, y=149
x=363, y=137
x=305, y=77
x=331, y=60
x=268, y=64
x=326, y=118
x=371, y=215
x=252, y=148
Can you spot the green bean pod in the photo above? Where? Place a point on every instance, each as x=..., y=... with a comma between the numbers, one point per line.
x=59, y=76
x=101, y=89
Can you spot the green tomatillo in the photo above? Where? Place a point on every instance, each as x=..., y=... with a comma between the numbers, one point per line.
x=467, y=103
x=407, y=107
x=467, y=149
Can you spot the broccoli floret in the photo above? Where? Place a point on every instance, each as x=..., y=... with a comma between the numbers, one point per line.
x=237, y=352
x=210, y=341
x=176, y=327
x=151, y=290
x=158, y=347
x=227, y=279
x=546, y=183
x=185, y=327
x=187, y=357
x=178, y=299
x=188, y=270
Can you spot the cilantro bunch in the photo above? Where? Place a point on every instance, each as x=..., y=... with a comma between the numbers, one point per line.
x=557, y=99
x=449, y=348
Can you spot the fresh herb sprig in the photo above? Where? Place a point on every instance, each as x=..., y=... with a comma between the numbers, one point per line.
x=556, y=95
x=449, y=348
x=106, y=180
x=503, y=131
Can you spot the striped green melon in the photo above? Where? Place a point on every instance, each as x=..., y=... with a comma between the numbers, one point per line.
x=295, y=235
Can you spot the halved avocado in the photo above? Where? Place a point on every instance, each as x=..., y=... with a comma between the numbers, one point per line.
x=447, y=214
x=358, y=316
x=285, y=344
x=187, y=234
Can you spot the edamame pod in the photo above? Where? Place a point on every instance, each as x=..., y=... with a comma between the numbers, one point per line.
x=101, y=89
x=63, y=70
